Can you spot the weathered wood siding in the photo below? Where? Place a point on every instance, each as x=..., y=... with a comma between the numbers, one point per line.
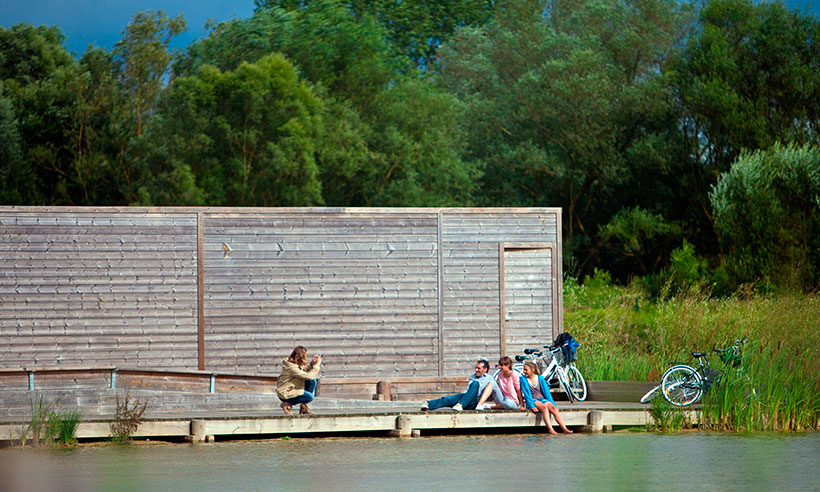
x=386, y=292
x=360, y=287
x=471, y=310
x=97, y=288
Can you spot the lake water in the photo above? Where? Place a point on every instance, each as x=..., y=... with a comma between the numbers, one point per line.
x=621, y=461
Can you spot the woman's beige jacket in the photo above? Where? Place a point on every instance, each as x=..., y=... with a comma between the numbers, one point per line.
x=291, y=382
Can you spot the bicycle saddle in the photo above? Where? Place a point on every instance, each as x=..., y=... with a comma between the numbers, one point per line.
x=699, y=354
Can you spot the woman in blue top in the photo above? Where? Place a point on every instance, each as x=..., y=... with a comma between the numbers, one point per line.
x=536, y=393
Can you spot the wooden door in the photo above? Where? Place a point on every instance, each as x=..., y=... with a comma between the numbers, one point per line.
x=528, y=300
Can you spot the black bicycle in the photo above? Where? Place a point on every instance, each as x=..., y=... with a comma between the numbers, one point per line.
x=683, y=385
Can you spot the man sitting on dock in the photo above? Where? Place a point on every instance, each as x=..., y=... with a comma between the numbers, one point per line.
x=467, y=400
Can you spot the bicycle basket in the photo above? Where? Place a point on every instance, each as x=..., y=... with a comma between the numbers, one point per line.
x=710, y=378
x=559, y=357
x=542, y=365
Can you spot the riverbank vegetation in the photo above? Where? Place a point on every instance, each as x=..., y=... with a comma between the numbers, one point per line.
x=127, y=417
x=628, y=334
x=49, y=425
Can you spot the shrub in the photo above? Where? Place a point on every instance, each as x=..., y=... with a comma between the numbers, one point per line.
x=767, y=216
x=127, y=418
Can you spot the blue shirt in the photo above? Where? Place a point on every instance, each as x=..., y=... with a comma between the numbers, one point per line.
x=483, y=381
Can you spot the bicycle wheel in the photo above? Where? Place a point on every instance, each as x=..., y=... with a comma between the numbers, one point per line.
x=577, y=383
x=562, y=378
x=650, y=394
x=682, y=386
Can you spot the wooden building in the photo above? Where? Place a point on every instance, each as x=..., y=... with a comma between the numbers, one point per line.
x=381, y=292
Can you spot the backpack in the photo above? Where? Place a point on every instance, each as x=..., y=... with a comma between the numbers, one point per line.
x=569, y=346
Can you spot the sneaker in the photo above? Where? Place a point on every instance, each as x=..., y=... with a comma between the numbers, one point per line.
x=481, y=406
x=457, y=407
x=425, y=406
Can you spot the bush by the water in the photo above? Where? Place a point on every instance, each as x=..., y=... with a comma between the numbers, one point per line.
x=629, y=335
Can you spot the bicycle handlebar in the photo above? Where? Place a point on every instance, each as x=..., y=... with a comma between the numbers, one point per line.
x=737, y=345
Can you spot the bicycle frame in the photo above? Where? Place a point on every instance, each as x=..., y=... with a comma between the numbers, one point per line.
x=683, y=384
x=553, y=369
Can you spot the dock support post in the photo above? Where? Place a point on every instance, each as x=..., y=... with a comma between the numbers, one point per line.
x=595, y=422
x=198, y=430
x=403, y=427
x=384, y=390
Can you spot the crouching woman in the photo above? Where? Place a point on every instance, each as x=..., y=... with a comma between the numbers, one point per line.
x=537, y=398
x=297, y=383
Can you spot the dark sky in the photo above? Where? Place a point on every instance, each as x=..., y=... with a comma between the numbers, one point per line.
x=101, y=21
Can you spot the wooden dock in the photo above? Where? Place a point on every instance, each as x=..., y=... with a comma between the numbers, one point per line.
x=200, y=405
x=398, y=422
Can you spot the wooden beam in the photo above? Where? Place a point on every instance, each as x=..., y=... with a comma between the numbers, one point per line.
x=502, y=324
x=200, y=293
x=440, y=268
x=558, y=294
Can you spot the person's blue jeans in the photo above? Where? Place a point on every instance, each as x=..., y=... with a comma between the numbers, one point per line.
x=468, y=399
x=501, y=399
x=307, y=396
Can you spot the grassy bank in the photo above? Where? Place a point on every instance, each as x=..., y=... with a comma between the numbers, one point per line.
x=628, y=336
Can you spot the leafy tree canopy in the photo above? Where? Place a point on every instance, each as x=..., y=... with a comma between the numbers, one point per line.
x=767, y=215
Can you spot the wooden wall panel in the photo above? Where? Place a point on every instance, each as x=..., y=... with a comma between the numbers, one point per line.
x=90, y=288
x=380, y=292
x=471, y=282
x=361, y=288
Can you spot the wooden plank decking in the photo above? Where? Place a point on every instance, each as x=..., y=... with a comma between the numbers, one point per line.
x=203, y=404
x=398, y=421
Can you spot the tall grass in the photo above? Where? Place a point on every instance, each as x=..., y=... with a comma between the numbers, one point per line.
x=626, y=336
x=43, y=423
x=47, y=426
x=666, y=417
x=69, y=422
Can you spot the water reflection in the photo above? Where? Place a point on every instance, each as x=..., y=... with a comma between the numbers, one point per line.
x=705, y=462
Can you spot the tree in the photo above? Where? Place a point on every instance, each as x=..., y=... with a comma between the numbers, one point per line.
x=97, y=131
x=29, y=54
x=750, y=76
x=419, y=146
x=34, y=68
x=568, y=105
x=767, y=215
x=641, y=239
x=15, y=178
x=415, y=29
x=145, y=59
x=388, y=132
x=247, y=137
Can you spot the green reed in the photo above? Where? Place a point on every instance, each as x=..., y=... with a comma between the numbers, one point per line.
x=625, y=336
x=667, y=417
x=69, y=422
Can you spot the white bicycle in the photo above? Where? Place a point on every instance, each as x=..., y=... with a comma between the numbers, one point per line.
x=556, y=370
